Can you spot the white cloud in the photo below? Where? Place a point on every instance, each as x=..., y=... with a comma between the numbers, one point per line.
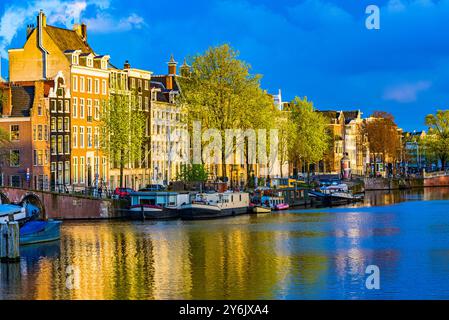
x=65, y=12
x=407, y=92
x=104, y=23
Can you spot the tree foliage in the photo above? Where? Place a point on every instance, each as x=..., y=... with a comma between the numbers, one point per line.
x=383, y=137
x=309, y=139
x=221, y=93
x=122, y=124
x=193, y=173
x=437, y=139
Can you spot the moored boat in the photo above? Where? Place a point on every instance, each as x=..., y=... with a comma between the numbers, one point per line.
x=40, y=231
x=260, y=209
x=215, y=205
x=274, y=202
x=156, y=205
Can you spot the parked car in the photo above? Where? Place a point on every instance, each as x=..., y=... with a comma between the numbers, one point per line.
x=122, y=192
x=153, y=187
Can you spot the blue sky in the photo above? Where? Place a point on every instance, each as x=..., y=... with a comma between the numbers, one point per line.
x=315, y=48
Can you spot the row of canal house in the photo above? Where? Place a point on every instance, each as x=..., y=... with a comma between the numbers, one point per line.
x=51, y=109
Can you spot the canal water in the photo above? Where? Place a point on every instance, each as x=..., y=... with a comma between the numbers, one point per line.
x=300, y=254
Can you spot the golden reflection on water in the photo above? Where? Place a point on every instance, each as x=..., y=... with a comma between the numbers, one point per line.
x=125, y=260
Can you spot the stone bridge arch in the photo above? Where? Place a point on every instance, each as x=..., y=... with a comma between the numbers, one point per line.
x=34, y=199
x=4, y=198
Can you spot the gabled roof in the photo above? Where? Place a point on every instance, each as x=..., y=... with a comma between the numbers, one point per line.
x=67, y=39
x=351, y=115
x=163, y=79
x=22, y=101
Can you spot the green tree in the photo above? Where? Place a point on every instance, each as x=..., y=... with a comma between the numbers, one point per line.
x=221, y=93
x=122, y=124
x=437, y=139
x=193, y=173
x=310, y=138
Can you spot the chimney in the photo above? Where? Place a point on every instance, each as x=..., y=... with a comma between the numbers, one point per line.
x=44, y=19
x=41, y=24
x=84, y=31
x=185, y=69
x=30, y=29
x=172, y=66
x=126, y=65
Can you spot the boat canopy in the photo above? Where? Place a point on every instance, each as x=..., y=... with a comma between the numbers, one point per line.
x=7, y=209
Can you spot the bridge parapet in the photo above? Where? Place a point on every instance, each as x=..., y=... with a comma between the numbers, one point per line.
x=65, y=206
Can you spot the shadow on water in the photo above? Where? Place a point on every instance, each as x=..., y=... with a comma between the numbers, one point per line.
x=321, y=253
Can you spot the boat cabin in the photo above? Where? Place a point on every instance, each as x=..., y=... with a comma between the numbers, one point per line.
x=223, y=200
x=163, y=199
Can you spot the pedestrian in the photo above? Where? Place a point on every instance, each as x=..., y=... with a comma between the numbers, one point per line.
x=100, y=190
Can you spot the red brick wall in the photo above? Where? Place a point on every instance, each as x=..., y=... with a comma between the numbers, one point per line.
x=66, y=207
x=436, y=181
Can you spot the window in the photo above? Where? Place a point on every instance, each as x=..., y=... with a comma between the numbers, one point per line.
x=47, y=157
x=53, y=148
x=89, y=110
x=53, y=106
x=60, y=127
x=140, y=84
x=103, y=87
x=153, y=95
x=66, y=124
x=97, y=109
x=89, y=137
x=75, y=169
x=82, y=170
x=90, y=62
x=60, y=106
x=96, y=137
x=60, y=145
x=67, y=106
x=89, y=85
x=146, y=84
x=75, y=59
x=140, y=103
x=39, y=133
x=46, y=132
x=67, y=144
x=103, y=164
x=53, y=124
x=81, y=142
x=14, y=133
x=38, y=157
x=75, y=136
x=133, y=83
x=67, y=172
x=39, y=110
x=147, y=105
x=97, y=86
x=82, y=84
x=104, y=64
x=14, y=158
x=34, y=133
x=60, y=171
x=75, y=84
x=75, y=107
x=82, y=108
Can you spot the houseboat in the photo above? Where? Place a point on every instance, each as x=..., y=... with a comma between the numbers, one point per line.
x=156, y=205
x=274, y=202
x=215, y=205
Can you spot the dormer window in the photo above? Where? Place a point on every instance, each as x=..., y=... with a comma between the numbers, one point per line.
x=75, y=60
x=90, y=62
x=104, y=64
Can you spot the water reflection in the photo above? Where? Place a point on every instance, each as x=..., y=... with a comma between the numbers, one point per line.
x=302, y=254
